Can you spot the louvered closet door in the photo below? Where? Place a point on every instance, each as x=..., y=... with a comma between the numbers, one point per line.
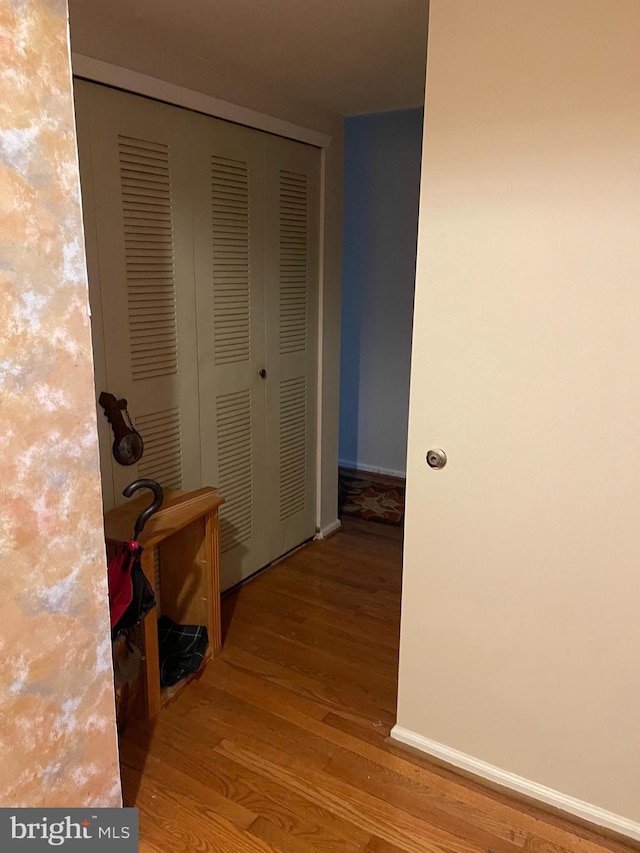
x=136, y=174
x=292, y=230
x=228, y=161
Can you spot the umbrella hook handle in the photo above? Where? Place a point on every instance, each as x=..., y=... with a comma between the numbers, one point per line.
x=144, y=516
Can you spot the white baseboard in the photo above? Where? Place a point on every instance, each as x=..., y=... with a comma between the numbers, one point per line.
x=328, y=529
x=372, y=469
x=560, y=801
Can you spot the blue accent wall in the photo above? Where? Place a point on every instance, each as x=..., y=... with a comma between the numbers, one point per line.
x=381, y=197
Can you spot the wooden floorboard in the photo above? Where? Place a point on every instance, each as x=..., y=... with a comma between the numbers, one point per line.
x=283, y=743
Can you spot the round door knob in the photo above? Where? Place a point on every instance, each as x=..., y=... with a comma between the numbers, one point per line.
x=263, y=373
x=436, y=458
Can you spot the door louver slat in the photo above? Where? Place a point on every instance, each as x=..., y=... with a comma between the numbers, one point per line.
x=162, y=457
x=293, y=446
x=145, y=185
x=235, y=467
x=293, y=262
x=231, y=268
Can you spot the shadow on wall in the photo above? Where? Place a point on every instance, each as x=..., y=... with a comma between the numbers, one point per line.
x=381, y=197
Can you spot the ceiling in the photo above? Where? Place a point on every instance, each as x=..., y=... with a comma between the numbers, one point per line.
x=347, y=56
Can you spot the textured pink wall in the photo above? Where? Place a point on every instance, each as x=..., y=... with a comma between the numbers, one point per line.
x=57, y=729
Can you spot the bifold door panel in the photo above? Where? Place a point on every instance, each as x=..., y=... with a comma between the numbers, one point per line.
x=291, y=313
x=137, y=204
x=229, y=216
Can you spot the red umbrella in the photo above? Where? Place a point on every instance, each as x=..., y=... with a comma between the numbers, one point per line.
x=130, y=593
x=120, y=583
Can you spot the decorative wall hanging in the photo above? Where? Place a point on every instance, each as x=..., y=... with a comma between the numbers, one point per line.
x=128, y=445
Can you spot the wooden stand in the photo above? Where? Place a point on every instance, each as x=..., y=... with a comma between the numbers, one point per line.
x=185, y=531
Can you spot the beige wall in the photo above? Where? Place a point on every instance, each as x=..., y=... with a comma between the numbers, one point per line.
x=520, y=643
x=200, y=75
x=57, y=726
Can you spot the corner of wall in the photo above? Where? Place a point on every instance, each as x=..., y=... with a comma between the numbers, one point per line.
x=57, y=707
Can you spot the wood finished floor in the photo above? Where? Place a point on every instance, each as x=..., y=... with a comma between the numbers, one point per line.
x=282, y=744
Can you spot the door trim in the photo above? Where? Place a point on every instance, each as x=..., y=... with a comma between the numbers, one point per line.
x=97, y=71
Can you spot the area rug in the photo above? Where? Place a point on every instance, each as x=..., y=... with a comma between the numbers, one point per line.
x=370, y=499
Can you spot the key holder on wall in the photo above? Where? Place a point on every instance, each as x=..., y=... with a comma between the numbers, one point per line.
x=128, y=445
